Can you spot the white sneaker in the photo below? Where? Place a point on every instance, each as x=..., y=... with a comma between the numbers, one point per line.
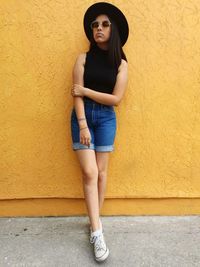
x=101, y=251
x=100, y=223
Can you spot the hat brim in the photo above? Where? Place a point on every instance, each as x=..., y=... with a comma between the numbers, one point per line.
x=112, y=11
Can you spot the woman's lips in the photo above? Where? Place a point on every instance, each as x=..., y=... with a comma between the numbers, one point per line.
x=99, y=34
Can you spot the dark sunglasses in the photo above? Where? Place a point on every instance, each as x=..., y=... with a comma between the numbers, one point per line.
x=95, y=24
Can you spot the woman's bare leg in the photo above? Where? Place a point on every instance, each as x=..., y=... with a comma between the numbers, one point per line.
x=102, y=165
x=87, y=160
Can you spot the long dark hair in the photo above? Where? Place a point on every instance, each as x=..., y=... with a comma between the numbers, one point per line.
x=115, y=51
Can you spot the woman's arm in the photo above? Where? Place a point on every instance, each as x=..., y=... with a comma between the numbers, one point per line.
x=78, y=71
x=78, y=79
x=104, y=98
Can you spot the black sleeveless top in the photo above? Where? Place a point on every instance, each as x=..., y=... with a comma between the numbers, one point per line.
x=99, y=75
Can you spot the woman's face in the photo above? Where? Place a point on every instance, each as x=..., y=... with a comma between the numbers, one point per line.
x=101, y=29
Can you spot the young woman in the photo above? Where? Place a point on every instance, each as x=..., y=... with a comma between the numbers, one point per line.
x=99, y=82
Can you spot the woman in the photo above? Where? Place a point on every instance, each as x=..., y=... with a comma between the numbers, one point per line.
x=99, y=82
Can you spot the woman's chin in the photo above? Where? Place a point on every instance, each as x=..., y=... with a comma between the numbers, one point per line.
x=100, y=41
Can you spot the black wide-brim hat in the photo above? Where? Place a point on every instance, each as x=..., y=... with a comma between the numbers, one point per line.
x=110, y=10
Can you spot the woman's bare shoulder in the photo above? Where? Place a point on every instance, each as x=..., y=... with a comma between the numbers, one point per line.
x=123, y=65
x=81, y=58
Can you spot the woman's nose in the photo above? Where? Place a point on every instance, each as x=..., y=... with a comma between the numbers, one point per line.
x=99, y=27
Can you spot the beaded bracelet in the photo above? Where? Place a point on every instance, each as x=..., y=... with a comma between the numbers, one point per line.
x=83, y=128
x=81, y=119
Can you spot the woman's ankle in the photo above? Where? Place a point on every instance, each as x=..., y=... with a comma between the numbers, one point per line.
x=96, y=232
x=99, y=226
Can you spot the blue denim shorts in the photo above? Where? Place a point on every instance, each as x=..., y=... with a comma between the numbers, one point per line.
x=101, y=121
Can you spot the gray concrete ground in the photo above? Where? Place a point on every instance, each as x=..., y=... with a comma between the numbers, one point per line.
x=133, y=241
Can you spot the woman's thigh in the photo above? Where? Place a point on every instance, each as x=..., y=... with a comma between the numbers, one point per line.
x=87, y=160
x=102, y=159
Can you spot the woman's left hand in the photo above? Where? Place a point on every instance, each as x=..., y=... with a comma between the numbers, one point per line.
x=77, y=90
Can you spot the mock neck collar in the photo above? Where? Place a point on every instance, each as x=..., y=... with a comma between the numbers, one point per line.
x=99, y=50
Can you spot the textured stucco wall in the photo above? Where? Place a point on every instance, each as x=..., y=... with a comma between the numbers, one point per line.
x=157, y=148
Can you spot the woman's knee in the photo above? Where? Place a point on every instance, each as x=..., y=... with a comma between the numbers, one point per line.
x=90, y=175
x=102, y=175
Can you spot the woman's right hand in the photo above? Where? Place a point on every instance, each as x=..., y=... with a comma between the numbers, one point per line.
x=85, y=136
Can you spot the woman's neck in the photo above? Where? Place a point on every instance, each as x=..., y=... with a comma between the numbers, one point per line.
x=103, y=46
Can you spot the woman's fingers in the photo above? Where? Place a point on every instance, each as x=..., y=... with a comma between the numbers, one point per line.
x=77, y=90
x=73, y=91
x=85, y=137
x=88, y=142
x=85, y=141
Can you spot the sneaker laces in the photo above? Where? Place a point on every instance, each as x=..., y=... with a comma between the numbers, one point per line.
x=98, y=240
x=92, y=239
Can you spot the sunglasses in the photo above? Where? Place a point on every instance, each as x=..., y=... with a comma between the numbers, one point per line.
x=95, y=24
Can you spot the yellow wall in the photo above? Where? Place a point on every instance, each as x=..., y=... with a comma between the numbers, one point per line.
x=155, y=168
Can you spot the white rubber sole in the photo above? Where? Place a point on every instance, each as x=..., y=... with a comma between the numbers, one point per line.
x=102, y=258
